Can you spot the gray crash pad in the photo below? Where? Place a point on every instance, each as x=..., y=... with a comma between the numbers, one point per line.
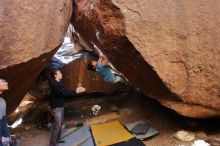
x=80, y=136
x=150, y=133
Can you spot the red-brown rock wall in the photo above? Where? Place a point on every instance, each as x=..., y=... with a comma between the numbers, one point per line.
x=21, y=78
x=31, y=28
x=30, y=33
x=168, y=49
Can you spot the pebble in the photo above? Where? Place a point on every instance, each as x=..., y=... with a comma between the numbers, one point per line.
x=183, y=135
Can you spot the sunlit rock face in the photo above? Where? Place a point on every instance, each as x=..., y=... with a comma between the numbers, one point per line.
x=168, y=49
x=31, y=28
x=30, y=33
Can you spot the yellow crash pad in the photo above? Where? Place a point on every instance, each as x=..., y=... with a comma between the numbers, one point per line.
x=110, y=133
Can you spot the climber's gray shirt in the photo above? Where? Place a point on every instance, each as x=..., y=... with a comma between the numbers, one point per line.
x=2, y=108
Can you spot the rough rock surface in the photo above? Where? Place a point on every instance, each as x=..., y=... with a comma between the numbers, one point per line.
x=168, y=49
x=21, y=78
x=31, y=28
x=30, y=33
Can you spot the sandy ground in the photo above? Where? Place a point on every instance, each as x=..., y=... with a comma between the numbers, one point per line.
x=132, y=107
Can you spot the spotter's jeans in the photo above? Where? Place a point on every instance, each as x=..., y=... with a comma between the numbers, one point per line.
x=58, y=114
x=4, y=131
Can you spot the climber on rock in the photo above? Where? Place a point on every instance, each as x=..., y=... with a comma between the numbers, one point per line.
x=100, y=63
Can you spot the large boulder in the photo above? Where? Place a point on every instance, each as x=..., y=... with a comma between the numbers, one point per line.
x=30, y=33
x=168, y=49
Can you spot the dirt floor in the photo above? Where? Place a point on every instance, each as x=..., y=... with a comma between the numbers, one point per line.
x=132, y=106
